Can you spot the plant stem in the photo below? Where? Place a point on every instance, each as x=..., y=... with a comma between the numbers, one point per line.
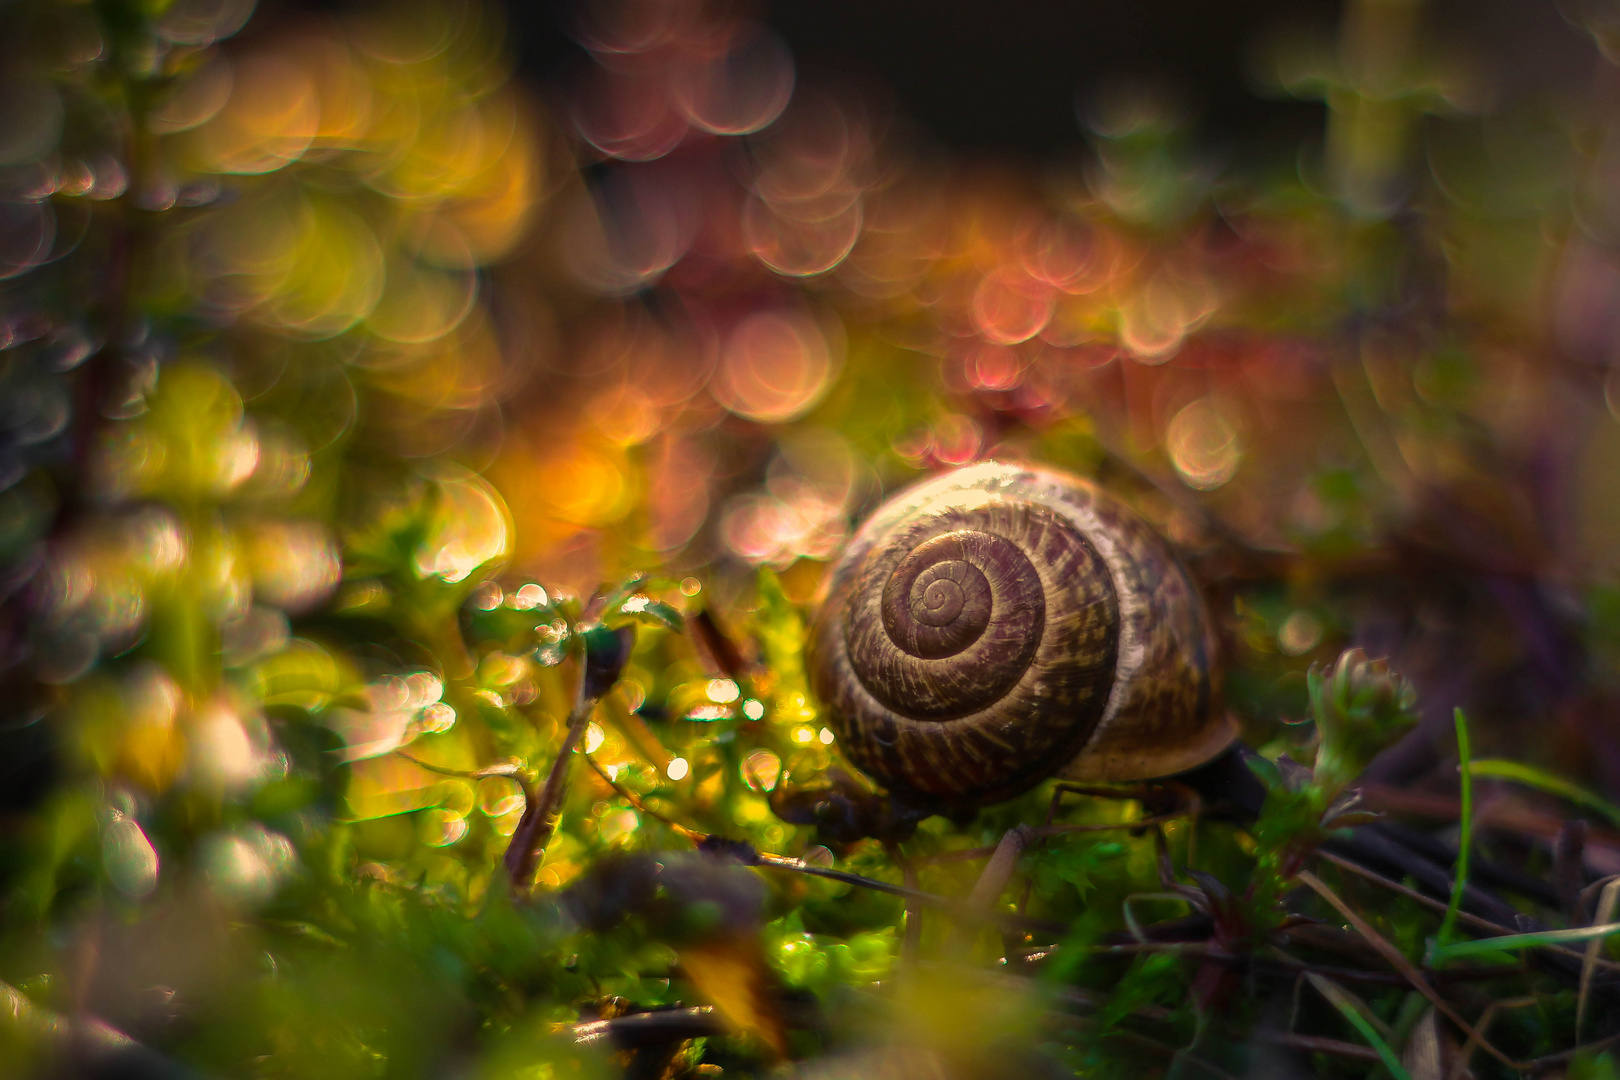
x=539, y=820
x=1465, y=841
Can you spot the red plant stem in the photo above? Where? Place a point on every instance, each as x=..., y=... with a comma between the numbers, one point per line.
x=540, y=814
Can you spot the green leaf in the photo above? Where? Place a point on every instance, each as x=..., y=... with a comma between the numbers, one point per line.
x=1075, y=864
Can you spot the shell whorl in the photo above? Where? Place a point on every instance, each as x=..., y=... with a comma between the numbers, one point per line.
x=1004, y=623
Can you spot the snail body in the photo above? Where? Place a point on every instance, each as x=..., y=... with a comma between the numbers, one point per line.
x=1004, y=623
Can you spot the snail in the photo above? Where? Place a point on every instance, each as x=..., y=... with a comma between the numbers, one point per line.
x=1004, y=623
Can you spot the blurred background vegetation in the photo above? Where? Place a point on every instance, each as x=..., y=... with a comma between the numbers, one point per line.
x=340, y=367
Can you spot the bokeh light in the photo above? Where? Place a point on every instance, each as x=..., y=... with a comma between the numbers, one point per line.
x=774, y=366
x=339, y=369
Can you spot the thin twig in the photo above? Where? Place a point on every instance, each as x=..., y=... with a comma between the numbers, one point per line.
x=539, y=820
x=1045, y=832
x=1319, y=1044
x=1494, y=929
x=1283, y=962
x=641, y=806
x=1536, y=1065
x=512, y=768
x=1407, y=891
x=1460, y=1065
x=1005, y=919
x=746, y=854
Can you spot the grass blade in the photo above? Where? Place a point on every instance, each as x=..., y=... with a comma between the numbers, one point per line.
x=1532, y=940
x=1448, y=925
x=1352, y=1009
x=1547, y=783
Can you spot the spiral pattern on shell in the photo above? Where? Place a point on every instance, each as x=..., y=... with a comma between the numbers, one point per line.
x=1004, y=623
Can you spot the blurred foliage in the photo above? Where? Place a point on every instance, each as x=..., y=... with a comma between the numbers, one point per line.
x=338, y=375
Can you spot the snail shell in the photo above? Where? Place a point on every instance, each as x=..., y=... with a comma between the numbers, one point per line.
x=1003, y=623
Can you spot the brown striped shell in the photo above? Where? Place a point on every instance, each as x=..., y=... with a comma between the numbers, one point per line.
x=1003, y=623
